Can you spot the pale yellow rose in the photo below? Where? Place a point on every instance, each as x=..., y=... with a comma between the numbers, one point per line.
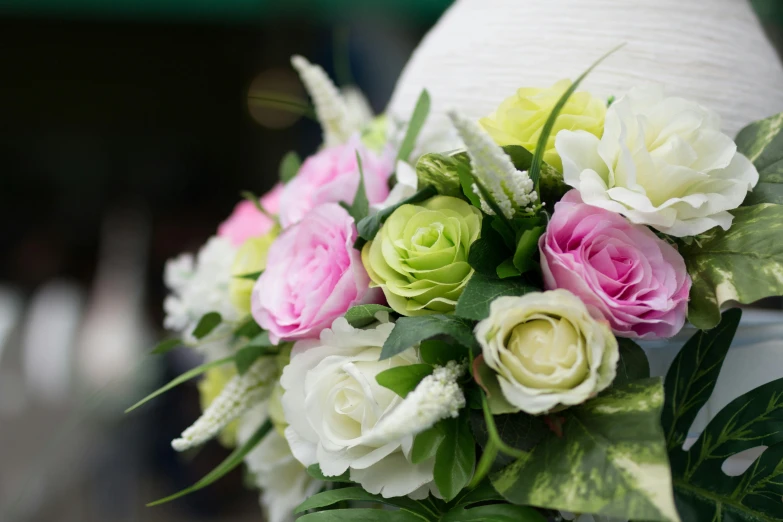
x=250, y=258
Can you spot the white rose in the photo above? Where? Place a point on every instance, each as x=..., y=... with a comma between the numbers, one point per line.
x=283, y=481
x=547, y=350
x=661, y=162
x=332, y=403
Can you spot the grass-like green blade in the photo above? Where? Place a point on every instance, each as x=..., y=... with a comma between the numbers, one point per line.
x=231, y=462
x=420, y=113
x=195, y=372
x=282, y=102
x=538, y=156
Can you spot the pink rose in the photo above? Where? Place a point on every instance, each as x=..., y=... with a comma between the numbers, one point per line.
x=623, y=272
x=247, y=221
x=332, y=175
x=313, y=275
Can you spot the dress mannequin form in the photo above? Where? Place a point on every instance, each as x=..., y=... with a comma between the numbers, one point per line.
x=712, y=51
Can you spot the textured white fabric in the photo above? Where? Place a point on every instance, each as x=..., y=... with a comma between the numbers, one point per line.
x=481, y=51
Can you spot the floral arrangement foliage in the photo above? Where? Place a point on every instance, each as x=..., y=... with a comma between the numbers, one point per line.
x=452, y=335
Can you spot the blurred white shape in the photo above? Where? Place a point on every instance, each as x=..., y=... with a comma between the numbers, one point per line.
x=12, y=397
x=50, y=328
x=10, y=311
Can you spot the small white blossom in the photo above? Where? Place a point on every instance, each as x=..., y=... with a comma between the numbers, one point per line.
x=198, y=286
x=436, y=397
x=511, y=189
x=330, y=107
x=241, y=392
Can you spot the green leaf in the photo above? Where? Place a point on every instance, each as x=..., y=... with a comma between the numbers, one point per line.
x=331, y=497
x=360, y=208
x=260, y=346
x=466, y=180
x=610, y=460
x=289, y=166
x=488, y=251
x=526, y=256
x=546, y=130
x=455, y=457
x=251, y=197
x=206, y=324
x=166, y=346
x=551, y=184
x=362, y=315
x=230, y=462
x=360, y=515
x=507, y=270
x=743, y=264
x=252, y=276
x=762, y=143
x=194, y=372
x=481, y=290
x=440, y=172
x=426, y=443
x=692, y=377
x=409, y=331
x=248, y=329
x=483, y=493
x=633, y=362
x=702, y=490
x=521, y=431
x=415, y=124
x=403, y=379
x=494, y=513
x=369, y=226
x=315, y=472
x=440, y=352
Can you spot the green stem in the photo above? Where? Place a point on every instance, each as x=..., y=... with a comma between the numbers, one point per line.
x=492, y=429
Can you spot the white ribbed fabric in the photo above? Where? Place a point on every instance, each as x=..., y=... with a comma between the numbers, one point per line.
x=481, y=51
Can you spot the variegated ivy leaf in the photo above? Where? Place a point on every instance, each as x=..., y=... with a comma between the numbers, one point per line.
x=702, y=490
x=743, y=264
x=762, y=143
x=610, y=459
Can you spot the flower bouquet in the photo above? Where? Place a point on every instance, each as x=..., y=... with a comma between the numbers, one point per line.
x=400, y=333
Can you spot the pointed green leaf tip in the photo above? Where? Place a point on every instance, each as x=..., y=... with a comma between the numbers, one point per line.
x=206, y=324
x=420, y=113
x=289, y=166
x=762, y=143
x=403, y=379
x=611, y=460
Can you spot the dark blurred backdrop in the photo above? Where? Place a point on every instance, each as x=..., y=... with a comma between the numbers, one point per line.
x=125, y=137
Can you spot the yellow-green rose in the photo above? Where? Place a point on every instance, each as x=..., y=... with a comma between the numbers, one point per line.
x=250, y=258
x=420, y=255
x=209, y=388
x=546, y=350
x=519, y=119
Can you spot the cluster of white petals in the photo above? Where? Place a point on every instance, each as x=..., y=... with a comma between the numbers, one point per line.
x=511, y=189
x=200, y=285
x=331, y=110
x=438, y=396
x=241, y=392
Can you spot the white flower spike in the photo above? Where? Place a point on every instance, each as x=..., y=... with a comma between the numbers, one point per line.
x=436, y=397
x=330, y=106
x=241, y=392
x=512, y=190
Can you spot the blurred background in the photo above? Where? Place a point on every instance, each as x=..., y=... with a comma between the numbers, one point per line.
x=126, y=136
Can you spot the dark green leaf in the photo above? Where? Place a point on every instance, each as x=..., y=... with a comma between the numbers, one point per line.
x=481, y=290
x=289, y=166
x=494, y=513
x=251, y=197
x=333, y=496
x=440, y=352
x=507, y=270
x=165, y=346
x=517, y=430
x=546, y=130
x=249, y=354
x=248, y=329
x=360, y=515
x=360, y=208
x=252, y=276
x=551, y=184
x=419, y=116
x=409, y=331
x=403, y=379
x=194, y=372
x=315, y=472
x=426, y=443
x=633, y=362
x=482, y=493
x=692, y=377
x=230, y=462
x=610, y=460
x=762, y=143
x=369, y=226
x=466, y=180
x=439, y=171
x=505, y=230
x=455, y=457
x=526, y=256
x=206, y=324
x=487, y=252
x=362, y=315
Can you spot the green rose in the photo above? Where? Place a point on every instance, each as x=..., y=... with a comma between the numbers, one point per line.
x=420, y=256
